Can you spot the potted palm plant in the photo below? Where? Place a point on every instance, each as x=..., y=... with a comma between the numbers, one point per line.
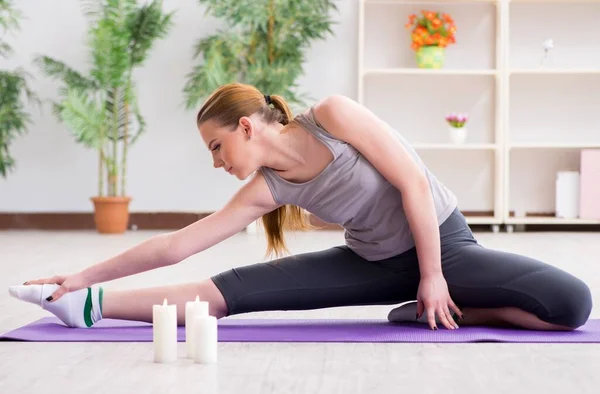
x=14, y=88
x=100, y=108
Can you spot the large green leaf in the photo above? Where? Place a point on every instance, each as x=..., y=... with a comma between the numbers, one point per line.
x=85, y=117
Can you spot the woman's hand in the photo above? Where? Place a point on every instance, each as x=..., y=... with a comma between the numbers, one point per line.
x=433, y=297
x=67, y=284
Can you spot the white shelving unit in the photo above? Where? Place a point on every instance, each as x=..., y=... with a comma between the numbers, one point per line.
x=524, y=116
x=418, y=71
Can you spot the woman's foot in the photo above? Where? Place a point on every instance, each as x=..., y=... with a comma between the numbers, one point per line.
x=81, y=308
x=508, y=317
x=407, y=313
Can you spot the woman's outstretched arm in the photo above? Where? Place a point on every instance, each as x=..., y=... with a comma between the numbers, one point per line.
x=251, y=202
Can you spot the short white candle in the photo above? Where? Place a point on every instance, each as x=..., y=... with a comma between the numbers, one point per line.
x=206, y=340
x=193, y=309
x=164, y=328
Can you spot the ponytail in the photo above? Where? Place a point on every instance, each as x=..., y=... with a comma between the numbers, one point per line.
x=282, y=108
x=287, y=217
x=229, y=103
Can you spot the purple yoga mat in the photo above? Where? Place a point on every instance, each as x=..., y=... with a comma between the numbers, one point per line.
x=50, y=329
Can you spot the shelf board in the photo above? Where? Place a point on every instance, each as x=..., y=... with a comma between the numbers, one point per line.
x=549, y=220
x=423, y=71
x=482, y=220
x=554, y=145
x=554, y=71
x=432, y=146
x=555, y=1
x=420, y=2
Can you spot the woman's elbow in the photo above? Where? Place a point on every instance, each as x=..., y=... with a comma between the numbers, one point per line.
x=168, y=249
x=416, y=186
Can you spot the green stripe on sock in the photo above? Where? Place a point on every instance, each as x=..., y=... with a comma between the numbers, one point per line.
x=100, y=294
x=87, y=309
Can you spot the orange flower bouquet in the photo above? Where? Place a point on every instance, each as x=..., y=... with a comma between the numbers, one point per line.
x=431, y=33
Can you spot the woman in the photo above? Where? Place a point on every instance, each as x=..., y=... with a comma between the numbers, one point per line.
x=406, y=240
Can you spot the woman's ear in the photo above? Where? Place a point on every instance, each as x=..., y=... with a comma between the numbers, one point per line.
x=247, y=127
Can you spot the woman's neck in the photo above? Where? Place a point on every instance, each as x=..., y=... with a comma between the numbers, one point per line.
x=283, y=149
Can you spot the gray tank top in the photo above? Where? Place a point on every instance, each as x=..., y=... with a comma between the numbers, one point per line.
x=352, y=193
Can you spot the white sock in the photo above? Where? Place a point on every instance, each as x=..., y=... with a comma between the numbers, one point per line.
x=408, y=313
x=81, y=308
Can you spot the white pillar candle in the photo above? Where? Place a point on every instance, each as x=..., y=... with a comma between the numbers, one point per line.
x=206, y=340
x=193, y=309
x=164, y=328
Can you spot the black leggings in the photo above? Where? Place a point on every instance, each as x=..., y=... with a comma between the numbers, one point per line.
x=477, y=277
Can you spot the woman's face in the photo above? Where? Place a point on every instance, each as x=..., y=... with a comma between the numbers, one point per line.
x=233, y=150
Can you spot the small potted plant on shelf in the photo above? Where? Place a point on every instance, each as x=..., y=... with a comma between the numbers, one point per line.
x=431, y=33
x=458, y=131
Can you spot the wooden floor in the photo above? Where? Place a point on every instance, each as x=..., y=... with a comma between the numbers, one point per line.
x=282, y=368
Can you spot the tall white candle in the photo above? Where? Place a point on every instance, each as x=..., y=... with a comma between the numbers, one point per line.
x=164, y=328
x=206, y=340
x=193, y=309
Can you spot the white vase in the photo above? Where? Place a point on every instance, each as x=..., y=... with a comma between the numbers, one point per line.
x=458, y=135
x=567, y=194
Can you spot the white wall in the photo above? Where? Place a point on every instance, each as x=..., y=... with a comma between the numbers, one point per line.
x=54, y=174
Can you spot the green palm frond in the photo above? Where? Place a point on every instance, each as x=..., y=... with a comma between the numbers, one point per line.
x=146, y=25
x=62, y=72
x=5, y=50
x=264, y=46
x=13, y=116
x=9, y=16
x=84, y=116
x=92, y=9
x=224, y=62
x=117, y=102
x=14, y=92
x=141, y=123
x=110, y=55
x=24, y=77
x=117, y=11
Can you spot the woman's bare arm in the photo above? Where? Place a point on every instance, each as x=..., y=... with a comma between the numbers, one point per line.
x=251, y=202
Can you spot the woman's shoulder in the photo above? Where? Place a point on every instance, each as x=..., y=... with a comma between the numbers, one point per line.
x=324, y=105
x=322, y=112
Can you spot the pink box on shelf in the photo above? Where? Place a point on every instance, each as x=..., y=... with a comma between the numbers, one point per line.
x=589, y=207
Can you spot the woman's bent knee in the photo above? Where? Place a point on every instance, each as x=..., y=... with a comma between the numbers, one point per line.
x=554, y=296
x=572, y=305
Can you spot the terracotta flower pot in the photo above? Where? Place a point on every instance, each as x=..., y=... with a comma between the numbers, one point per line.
x=111, y=214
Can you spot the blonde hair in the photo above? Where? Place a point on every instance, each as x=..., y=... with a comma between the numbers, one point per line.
x=225, y=106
